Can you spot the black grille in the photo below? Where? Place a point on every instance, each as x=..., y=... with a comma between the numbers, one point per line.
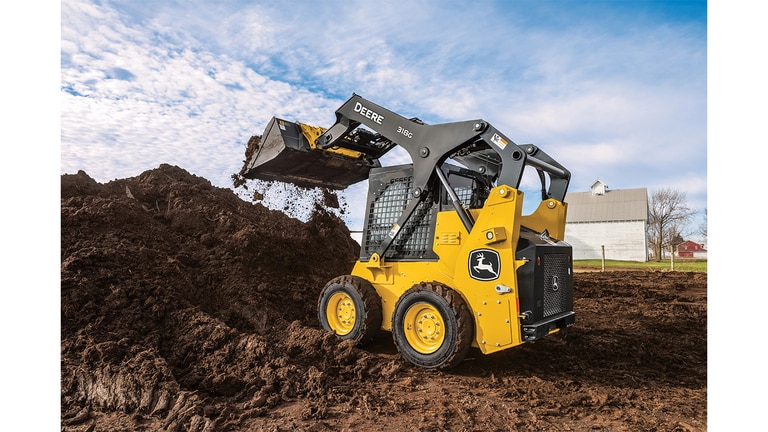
x=463, y=194
x=415, y=237
x=384, y=211
x=558, y=284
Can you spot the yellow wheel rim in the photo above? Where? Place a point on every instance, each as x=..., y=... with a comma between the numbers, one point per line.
x=424, y=328
x=341, y=313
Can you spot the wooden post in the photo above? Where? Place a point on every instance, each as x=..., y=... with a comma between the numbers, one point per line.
x=603, y=259
x=672, y=256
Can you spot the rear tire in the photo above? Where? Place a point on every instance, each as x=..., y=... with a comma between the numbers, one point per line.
x=350, y=307
x=432, y=326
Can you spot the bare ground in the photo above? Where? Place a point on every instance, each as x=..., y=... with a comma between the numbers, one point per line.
x=185, y=308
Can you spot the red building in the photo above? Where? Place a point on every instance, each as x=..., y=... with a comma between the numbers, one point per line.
x=689, y=249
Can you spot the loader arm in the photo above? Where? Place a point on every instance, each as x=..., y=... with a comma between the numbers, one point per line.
x=430, y=145
x=475, y=143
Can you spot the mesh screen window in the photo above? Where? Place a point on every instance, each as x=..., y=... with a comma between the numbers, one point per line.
x=414, y=239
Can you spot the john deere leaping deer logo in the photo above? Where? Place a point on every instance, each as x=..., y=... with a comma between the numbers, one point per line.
x=484, y=264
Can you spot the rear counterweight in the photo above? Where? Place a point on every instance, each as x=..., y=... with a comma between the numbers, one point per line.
x=545, y=285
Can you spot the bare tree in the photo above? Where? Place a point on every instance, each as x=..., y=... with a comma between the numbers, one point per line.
x=668, y=215
x=703, y=226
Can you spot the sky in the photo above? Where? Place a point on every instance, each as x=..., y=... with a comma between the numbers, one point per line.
x=636, y=93
x=614, y=90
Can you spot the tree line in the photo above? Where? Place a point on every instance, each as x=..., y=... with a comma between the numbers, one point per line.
x=669, y=218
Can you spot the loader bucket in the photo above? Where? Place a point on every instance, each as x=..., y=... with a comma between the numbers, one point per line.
x=286, y=153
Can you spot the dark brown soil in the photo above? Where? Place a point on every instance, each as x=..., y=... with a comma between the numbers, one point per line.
x=184, y=307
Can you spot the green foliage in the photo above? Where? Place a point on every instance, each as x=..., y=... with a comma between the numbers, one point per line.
x=680, y=265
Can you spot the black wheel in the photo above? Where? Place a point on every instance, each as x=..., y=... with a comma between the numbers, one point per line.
x=350, y=307
x=432, y=326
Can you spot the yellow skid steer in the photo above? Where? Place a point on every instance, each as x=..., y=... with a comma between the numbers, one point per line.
x=448, y=261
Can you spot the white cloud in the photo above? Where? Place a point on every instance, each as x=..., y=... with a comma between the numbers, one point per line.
x=179, y=107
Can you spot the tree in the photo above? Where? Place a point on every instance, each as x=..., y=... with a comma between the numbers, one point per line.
x=703, y=226
x=668, y=215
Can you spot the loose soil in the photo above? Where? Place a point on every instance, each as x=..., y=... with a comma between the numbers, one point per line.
x=186, y=308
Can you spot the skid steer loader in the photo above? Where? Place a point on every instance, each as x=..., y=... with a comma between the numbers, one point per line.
x=447, y=261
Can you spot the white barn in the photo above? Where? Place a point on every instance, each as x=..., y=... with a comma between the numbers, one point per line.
x=612, y=219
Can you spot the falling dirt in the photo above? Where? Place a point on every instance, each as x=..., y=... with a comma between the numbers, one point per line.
x=186, y=308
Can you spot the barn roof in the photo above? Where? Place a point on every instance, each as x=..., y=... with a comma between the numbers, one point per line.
x=612, y=206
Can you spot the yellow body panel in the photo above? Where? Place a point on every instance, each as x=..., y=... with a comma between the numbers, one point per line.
x=493, y=303
x=550, y=216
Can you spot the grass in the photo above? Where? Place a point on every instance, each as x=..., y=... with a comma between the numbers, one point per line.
x=680, y=265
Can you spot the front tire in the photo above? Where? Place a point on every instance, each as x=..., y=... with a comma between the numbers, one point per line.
x=350, y=307
x=432, y=326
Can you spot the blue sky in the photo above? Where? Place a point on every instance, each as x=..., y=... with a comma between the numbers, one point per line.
x=615, y=90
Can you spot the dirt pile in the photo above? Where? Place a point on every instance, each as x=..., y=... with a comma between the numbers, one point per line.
x=184, y=307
